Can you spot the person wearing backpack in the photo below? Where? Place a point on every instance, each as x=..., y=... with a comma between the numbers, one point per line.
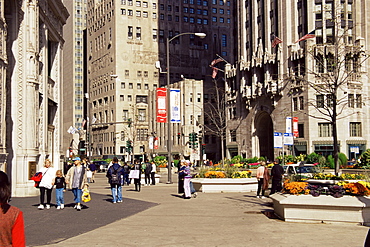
x=147, y=172
x=114, y=174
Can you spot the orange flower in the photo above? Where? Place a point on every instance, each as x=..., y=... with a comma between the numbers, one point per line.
x=295, y=188
x=356, y=189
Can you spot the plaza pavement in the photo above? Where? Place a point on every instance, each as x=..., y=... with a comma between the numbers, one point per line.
x=158, y=216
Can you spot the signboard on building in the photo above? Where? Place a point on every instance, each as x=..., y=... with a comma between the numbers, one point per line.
x=288, y=125
x=161, y=105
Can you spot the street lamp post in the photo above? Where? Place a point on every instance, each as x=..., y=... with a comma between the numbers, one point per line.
x=169, y=139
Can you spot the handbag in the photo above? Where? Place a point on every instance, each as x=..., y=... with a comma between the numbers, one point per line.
x=86, y=195
x=37, y=178
x=134, y=174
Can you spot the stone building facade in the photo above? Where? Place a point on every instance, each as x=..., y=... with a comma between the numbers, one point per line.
x=269, y=84
x=125, y=40
x=31, y=75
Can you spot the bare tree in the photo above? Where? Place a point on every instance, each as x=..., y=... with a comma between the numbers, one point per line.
x=337, y=65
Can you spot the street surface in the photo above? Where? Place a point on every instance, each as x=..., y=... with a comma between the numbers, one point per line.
x=158, y=216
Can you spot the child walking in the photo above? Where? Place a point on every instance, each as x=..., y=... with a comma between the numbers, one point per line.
x=89, y=175
x=60, y=185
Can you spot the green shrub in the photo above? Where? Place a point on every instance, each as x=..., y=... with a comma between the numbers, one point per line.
x=236, y=159
x=330, y=162
x=342, y=158
x=313, y=158
x=365, y=158
x=251, y=160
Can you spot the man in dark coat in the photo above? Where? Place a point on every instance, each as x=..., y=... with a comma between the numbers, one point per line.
x=277, y=173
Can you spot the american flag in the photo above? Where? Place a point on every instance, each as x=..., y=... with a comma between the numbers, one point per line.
x=215, y=70
x=310, y=35
x=276, y=41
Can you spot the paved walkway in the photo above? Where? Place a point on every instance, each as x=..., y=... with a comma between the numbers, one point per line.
x=157, y=216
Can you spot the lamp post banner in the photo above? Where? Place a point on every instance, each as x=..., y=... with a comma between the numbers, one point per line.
x=175, y=105
x=161, y=105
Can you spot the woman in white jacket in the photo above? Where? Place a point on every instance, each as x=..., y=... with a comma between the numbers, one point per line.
x=46, y=184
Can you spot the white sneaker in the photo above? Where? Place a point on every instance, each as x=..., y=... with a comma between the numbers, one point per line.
x=119, y=201
x=47, y=206
x=78, y=207
x=262, y=197
x=61, y=206
x=58, y=207
x=41, y=207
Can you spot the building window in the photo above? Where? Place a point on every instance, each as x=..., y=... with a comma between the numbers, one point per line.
x=138, y=13
x=138, y=33
x=141, y=115
x=124, y=115
x=205, y=3
x=123, y=11
x=300, y=130
x=142, y=134
x=130, y=12
x=139, y=86
x=232, y=135
x=154, y=5
x=295, y=104
x=351, y=100
x=145, y=4
x=205, y=21
x=222, y=11
x=139, y=73
x=121, y=97
x=127, y=73
x=141, y=99
x=214, y=18
x=355, y=129
x=301, y=103
x=123, y=85
x=129, y=98
x=130, y=86
x=146, y=86
x=325, y=130
x=145, y=73
x=154, y=15
x=145, y=14
x=130, y=32
x=224, y=40
x=222, y=20
x=138, y=4
x=214, y=10
x=358, y=101
x=320, y=101
x=129, y=2
x=155, y=34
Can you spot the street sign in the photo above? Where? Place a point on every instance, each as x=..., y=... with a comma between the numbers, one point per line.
x=288, y=139
x=278, y=140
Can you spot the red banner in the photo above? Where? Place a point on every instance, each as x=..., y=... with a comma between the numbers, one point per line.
x=155, y=142
x=295, y=127
x=161, y=105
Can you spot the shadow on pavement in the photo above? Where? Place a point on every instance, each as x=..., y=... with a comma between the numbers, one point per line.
x=50, y=226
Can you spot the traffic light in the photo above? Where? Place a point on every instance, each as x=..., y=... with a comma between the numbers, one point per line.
x=195, y=137
x=191, y=140
x=129, y=146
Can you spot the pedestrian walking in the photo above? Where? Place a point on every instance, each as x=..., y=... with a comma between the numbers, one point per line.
x=187, y=178
x=89, y=175
x=76, y=180
x=263, y=178
x=181, y=176
x=92, y=167
x=11, y=218
x=277, y=173
x=126, y=172
x=152, y=174
x=114, y=174
x=46, y=184
x=147, y=172
x=137, y=180
x=60, y=186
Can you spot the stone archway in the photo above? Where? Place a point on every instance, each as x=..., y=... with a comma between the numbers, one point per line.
x=265, y=135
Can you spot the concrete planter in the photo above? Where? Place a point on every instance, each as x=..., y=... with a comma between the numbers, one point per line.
x=218, y=185
x=322, y=209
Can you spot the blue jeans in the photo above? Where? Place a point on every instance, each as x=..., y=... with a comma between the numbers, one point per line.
x=78, y=194
x=59, y=196
x=126, y=179
x=116, y=192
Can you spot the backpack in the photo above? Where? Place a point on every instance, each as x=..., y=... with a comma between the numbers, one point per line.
x=115, y=177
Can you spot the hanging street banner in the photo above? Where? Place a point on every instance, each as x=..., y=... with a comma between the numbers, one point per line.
x=161, y=105
x=155, y=142
x=295, y=127
x=288, y=139
x=288, y=125
x=151, y=142
x=278, y=140
x=175, y=116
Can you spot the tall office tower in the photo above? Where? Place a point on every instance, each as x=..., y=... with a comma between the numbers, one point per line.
x=74, y=88
x=125, y=40
x=31, y=76
x=294, y=58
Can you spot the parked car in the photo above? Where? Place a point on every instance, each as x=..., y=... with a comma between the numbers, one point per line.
x=101, y=165
x=300, y=169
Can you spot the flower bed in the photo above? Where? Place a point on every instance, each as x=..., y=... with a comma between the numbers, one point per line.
x=337, y=190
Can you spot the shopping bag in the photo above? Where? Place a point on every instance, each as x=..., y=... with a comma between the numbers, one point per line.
x=37, y=178
x=134, y=174
x=86, y=195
